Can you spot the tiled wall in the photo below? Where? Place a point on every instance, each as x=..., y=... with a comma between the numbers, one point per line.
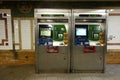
x=113, y=56
x=24, y=33
x=28, y=57
x=23, y=36
x=113, y=29
x=24, y=57
x=5, y=29
x=24, y=41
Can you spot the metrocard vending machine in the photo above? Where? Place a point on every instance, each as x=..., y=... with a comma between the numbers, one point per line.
x=52, y=40
x=88, y=46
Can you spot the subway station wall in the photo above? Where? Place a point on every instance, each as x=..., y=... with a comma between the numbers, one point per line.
x=114, y=29
x=113, y=43
x=24, y=38
x=24, y=57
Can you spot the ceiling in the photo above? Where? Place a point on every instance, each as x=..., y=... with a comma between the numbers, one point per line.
x=61, y=0
x=64, y=3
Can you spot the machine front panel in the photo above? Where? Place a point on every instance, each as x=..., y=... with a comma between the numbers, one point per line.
x=53, y=61
x=70, y=40
x=89, y=34
x=89, y=43
x=52, y=34
x=52, y=40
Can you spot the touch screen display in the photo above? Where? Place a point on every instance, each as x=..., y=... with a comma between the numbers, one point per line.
x=81, y=32
x=45, y=32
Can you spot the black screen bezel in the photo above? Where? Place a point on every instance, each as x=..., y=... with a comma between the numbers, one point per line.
x=44, y=26
x=81, y=26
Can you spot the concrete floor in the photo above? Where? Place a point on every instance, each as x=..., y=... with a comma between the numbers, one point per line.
x=27, y=72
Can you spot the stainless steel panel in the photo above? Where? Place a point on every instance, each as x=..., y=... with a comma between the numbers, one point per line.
x=52, y=62
x=87, y=62
x=70, y=57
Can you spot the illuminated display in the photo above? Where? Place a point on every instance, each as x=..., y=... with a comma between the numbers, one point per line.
x=81, y=32
x=45, y=32
x=81, y=35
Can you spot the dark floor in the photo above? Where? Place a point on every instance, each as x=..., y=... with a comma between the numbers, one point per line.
x=27, y=72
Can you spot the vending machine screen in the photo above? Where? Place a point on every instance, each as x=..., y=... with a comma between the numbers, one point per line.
x=81, y=31
x=45, y=35
x=81, y=35
x=45, y=32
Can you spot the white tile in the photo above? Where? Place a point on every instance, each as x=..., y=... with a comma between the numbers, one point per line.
x=29, y=78
x=40, y=78
x=85, y=78
x=26, y=34
x=97, y=78
x=51, y=78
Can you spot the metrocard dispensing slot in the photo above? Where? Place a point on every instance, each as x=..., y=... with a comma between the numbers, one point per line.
x=52, y=49
x=81, y=35
x=45, y=35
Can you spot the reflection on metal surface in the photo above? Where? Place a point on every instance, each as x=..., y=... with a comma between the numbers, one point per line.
x=90, y=20
x=52, y=20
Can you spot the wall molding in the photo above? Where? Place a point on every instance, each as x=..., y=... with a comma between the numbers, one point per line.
x=113, y=44
x=114, y=14
x=3, y=17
